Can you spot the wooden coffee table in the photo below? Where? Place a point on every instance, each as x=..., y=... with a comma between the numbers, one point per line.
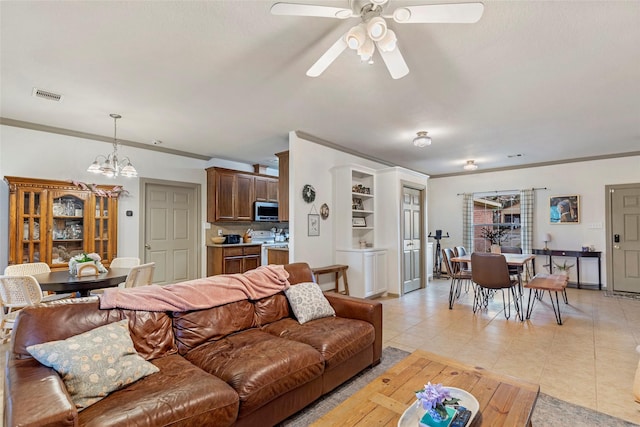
x=504, y=400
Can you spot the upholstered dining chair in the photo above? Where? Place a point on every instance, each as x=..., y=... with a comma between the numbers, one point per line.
x=513, y=269
x=490, y=272
x=458, y=276
x=16, y=293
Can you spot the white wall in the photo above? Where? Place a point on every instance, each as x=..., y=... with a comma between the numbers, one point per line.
x=311, y=163
x=586, y=179
x=35, y=154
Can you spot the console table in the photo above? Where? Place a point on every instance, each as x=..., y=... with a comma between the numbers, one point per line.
x=571, y=254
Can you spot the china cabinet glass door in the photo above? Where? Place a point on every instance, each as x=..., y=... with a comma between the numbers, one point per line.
x=68, y=226
x=30, y=223
x=103, y=222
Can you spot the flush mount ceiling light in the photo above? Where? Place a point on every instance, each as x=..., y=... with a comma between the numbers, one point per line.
x=422, y=140
x=471, y=165
x=112, y=167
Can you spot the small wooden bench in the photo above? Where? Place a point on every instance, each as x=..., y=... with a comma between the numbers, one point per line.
x=340, y=270
x=550, y=283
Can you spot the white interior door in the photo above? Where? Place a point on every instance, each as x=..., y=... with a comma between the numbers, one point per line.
x=171, y=231
x=625, y=238
x=411, y=240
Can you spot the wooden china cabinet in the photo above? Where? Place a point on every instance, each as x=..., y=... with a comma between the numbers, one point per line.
x=51, y=221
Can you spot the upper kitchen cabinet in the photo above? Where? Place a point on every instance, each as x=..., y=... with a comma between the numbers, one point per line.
x=230, y=195
x=51, y=221
x=266, y=189
x=283, y=186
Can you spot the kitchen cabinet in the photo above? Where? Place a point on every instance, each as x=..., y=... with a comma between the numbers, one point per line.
x=367, y=271
x=230, y=195
x=283, y=186
x=51, y=221
x=278, y=256
x=232, y=259
x=266, y=189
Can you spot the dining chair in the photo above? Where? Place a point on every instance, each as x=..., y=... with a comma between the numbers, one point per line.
x=490, y=272
x=30, y=269
x=458, y=275
x=124, y=262
x=140, y=275
x=513, y=269
x=461, y=251
x=27, y=269
x=16, y=293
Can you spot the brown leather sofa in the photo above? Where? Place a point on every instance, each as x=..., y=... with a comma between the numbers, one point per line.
x=245, y=363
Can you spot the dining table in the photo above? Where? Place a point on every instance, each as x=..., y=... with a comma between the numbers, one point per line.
x=62, y=281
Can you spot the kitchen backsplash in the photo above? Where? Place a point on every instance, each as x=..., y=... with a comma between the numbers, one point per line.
x=237, y=228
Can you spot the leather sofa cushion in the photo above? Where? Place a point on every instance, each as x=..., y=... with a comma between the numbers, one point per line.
x=193, y=328
x=271, y=309
x=180, y=394
x=151, y=332
x=258, y=365
x=336, y=338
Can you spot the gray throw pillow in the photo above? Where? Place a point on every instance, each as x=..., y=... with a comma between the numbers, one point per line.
x=308, y=302
x=94, y=363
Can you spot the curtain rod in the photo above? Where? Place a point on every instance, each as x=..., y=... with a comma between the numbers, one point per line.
x=501, y=191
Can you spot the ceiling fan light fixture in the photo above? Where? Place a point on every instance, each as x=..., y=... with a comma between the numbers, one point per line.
x=401, y=14
x=388, y=42
x=376, y=28
x=356, y=36
x=471, y=165
x=366, y=50
x=422, y=139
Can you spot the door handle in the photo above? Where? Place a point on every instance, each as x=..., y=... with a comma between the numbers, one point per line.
x=616, y=246
x=147, y=246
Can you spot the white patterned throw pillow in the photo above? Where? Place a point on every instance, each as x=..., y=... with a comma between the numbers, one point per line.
x=308, y=302
x=94, y=363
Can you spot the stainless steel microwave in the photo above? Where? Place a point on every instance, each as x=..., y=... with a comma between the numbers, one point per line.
x=265, y=211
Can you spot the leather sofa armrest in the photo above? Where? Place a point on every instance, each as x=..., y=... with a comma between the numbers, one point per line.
x=34, y=395
x=361, y=309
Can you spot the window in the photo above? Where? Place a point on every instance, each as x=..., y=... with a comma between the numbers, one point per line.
x=496, y=221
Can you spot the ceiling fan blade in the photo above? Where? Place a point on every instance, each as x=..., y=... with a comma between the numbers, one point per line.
x=327, y=58
x=462, y=13
x=394, y=62
x=310, y=10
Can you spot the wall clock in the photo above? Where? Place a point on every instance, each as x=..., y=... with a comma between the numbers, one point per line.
x=308, y=193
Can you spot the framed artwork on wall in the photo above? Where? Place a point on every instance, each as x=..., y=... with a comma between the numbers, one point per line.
x=313, y=223
x=564, y=209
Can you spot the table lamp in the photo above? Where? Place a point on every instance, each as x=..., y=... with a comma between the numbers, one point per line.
x=546, y=238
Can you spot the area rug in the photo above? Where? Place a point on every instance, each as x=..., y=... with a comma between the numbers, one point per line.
x=545, y=413
x=625, y=295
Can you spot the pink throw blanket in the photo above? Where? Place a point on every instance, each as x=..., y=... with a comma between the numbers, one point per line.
x=200, y=293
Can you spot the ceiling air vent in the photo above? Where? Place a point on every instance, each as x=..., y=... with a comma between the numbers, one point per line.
x=39, y=93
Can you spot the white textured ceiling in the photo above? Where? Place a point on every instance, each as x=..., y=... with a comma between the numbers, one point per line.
x=551, y=80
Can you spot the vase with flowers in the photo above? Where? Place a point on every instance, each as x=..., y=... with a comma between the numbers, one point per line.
x=437, y=401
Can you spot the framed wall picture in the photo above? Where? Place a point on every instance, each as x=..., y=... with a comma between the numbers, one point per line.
x=358, y=222
x=564, y=209
x=313, y=223
x=356, y=204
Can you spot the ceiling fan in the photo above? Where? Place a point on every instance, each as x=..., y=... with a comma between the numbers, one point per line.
x=373, y=32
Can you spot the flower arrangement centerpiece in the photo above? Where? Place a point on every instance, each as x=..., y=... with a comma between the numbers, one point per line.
x=77, y=261
x=436, y=399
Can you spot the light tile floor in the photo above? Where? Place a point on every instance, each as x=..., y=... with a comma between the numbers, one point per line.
x=589, y=360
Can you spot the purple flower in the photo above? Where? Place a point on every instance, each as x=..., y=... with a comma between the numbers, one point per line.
x=432, y=396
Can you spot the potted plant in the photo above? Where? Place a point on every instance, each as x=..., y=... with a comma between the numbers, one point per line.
x=493, y=235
